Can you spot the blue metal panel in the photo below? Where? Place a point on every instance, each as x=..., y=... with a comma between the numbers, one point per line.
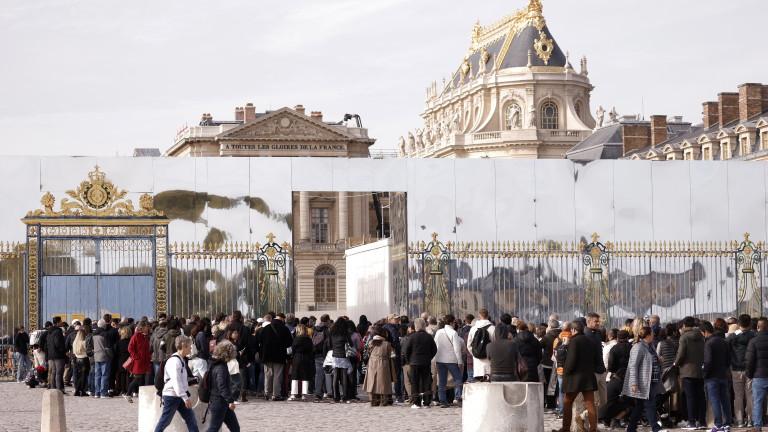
x=131, y=296
x=67, y=296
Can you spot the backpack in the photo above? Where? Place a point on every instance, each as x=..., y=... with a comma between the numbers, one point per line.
x=204, y=389
x=480, y=341
x=318, y=339
x=160, y=375
x=561, y=352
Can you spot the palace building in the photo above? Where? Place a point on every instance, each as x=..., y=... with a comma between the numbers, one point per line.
x=514, y=95
x=733, y=127
x=324, y=224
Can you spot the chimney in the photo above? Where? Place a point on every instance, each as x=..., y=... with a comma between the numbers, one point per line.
x=750, y=100
x=635, y=136
x=728, y=110
x=710, y=114
x=250, y=112
x=317, y=115
x=239, y=114
x=300, y=109
x=658, y=129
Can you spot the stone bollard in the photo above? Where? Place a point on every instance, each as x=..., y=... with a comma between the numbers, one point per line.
x=503, y=407
x=150, y=410
x=53, y=418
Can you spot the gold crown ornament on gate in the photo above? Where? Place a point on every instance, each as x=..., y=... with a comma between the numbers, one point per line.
x=96, y=196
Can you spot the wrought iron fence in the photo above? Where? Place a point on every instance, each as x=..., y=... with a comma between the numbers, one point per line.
x=207, y=279
x=12, y=297
x=618, y=280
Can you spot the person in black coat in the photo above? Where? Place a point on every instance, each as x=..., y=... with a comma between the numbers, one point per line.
x=275, y=338
x=503, y=354
x=579, y=376
x=56, y=354
x=530, y=350
x=418, y=353
x=616, y=407
x=717, y=361
x=302, y=364
x=757, y=370
x=221, y=407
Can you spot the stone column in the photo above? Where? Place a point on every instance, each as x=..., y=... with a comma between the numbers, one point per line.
x=343, y=218
x=304, y=228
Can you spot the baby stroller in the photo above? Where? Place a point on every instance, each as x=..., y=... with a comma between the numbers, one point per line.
x=36, y=376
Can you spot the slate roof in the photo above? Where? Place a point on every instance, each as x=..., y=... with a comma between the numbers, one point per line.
x=605, y=143
x=146, y=152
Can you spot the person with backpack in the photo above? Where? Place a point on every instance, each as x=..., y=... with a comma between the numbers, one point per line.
x=319, y=336
x=216, y=389
x=175, y=390
x=419, y=352
x=478, y=339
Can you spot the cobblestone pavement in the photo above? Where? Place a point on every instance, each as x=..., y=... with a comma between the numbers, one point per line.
x=20, y=412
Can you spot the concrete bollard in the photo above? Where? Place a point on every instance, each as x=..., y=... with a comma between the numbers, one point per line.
x=53, y=418
x=503, y=407
x=150, y=410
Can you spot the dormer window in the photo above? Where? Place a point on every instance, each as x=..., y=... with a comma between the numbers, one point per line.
x=549, y=115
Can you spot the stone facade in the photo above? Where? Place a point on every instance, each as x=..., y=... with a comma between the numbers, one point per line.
x=515, y=95
x=284, y=132
x=324, y=223
x=733, y=127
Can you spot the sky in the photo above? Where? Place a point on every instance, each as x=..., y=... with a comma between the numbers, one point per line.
x=95, y=77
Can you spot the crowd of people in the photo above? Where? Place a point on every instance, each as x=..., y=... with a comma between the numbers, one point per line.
x=643, y=372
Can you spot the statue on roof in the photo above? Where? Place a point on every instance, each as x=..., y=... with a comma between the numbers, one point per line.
x=411, y=143
x=401, y=145
x=600, y=116
x=614, y=116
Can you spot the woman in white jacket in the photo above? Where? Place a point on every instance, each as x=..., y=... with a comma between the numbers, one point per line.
x=448, y=359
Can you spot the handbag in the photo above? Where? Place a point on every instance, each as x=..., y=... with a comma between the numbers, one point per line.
x=669, y=379
x=350, y=351
x=128, y=363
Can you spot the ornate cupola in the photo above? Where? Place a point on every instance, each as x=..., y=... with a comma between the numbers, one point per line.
x=515, y=94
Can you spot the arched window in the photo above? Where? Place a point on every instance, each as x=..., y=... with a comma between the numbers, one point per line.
x=325, y=288
x=579, y=110
x=549, y=115
x=513, y=117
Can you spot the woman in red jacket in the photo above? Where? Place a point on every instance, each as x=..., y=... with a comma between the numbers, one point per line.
x=140, y=359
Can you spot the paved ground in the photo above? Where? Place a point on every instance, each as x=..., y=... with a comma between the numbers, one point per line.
x=20, y=412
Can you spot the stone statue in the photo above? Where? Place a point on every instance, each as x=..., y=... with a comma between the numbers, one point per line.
x=456, y=122
x=600, y=115
x=484, y=57
x=401, y=145
x=466, y=68
x=419, y=139
x=614, y=116
x=532, y=117
x=515, y=122
x=411, y=142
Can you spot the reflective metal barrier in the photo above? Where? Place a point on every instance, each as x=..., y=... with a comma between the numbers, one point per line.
x=208, y=279
x=12, y=297
x=617, y=280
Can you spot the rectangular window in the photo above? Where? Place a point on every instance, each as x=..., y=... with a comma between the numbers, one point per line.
x=763, y=140
x=744, y=147
x=319, y=220
x=725, y=151
x=707, y=153
x=688, y=155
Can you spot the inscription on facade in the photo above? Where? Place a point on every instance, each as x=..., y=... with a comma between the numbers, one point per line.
x=288, y=149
